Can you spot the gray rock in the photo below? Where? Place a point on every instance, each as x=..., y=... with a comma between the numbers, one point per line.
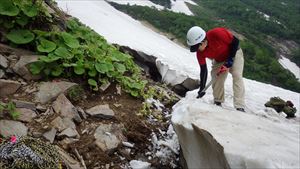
x=61, y=124
x=50, y=135
x=9, y=127
x=69, y=161
x=66, y=141
x=2, y=73
x=8, y=87
x=26, y=115
x=81, y=113
x=65, y=108
x=21, y=67
x=3, y=61
x=69, y=132
x=50, y=90
x=101, y=111
x=108, y=136
x=41, y=108
x=24, y=104
x=103, y=87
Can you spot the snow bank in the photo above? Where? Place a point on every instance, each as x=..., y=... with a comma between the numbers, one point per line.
x=214, y=137
x=291, y=66
x=121, y=29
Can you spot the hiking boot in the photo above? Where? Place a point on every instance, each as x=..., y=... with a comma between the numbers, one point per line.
x=218, y=103
x=240, y=109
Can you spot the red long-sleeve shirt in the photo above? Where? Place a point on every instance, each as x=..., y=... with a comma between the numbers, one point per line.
x=218, y=47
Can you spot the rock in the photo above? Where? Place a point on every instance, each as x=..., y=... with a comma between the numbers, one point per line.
x=69, y=132
x=26, y=115
x=8, y=87
x=69, y=161
x=2, y=73
x=119, y=90
x=65, y=108
x=191, y=84
x=81, y=113
x=135, y=164
x=66, y=141
x=50, y=135
x=103, y=87
x=108, y=136
x=41, y=108
x=24, y=104
x=61, y=124
x=101, y=111
x=36, y=134
x=214, y=137
x=9, y=128
x=50, y=90
x=21, y=67
x=3, y=62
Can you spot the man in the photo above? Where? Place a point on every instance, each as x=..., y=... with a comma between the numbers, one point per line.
x=220, y=45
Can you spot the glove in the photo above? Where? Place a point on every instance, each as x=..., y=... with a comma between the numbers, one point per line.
x=200, y=94
x=222, y=69
x=229, y=62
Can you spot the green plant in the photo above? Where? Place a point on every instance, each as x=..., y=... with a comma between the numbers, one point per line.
x=75, y=93
x=10, y=108
x=77, y=51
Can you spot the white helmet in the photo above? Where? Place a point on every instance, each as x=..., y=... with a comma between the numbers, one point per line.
x=195, y=35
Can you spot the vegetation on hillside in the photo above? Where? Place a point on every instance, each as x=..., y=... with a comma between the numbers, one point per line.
x=69, y=50
x=164, y=3
x=261, y=63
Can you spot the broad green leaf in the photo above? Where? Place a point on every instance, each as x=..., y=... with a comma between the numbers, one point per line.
x=47, y=71
x=20, y=36
x=70, y=40
x=23, y=20
x=41, y=33
x=79, y=69
x=120, y=67
x=101, y=67
x=93, y=83
x=30, y=10
x=63, y=52
x=72, y=24
x=57, y=71
x=92, y=72
x=36, y=67
x=8, y=8
x=46, y=45
x=8, y=25
x=137, y=85
x=134, y=93
x=69, y=64
x=50, y=58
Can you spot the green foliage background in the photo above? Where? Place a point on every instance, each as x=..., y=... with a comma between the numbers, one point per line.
x=67, y=48
x=240, y=15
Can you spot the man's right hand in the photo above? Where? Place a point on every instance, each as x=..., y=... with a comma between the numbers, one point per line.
x=200, y=94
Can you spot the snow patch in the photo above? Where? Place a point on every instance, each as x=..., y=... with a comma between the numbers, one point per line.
x=136, y=164
x=212, y=137
x=291, y=66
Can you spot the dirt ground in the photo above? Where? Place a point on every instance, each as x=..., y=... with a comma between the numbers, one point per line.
x=136, y=129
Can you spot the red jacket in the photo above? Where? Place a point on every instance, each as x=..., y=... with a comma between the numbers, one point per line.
x=218, y=47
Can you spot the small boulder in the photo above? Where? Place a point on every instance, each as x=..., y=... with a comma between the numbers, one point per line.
x=21, y=67
x=24, y=104
x=50, y=135
x=62, y=123
x=9, y=128
x=3, y=61
x=65, y=108
x=69, y=132
x=26, y=115
x=108, y=136
x=101, y=111
x=8, y=87
x=50, y=90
